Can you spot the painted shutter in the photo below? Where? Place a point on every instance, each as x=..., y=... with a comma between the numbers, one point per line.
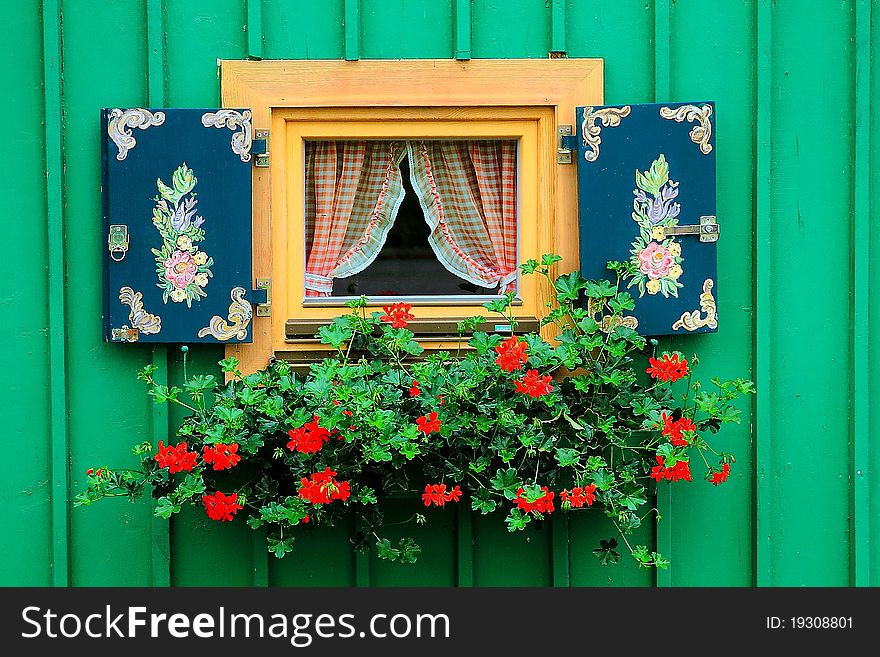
x=646, y=190
x=177, y=225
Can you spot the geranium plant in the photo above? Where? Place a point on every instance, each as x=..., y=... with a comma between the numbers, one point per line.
x=508, y=424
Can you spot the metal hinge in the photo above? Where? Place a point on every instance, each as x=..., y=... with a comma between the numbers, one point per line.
x=260, y=148
x=263, y=297
x=124, y=334
x=565, y=144
x=708, y=230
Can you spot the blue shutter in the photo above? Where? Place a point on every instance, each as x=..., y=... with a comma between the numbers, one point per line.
x=646, y=194
x=177, y=225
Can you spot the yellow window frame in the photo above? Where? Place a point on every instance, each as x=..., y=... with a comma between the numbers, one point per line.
x=522, y=99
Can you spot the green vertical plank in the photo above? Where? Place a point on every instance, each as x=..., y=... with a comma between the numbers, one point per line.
x=812, y=87
x=259, y=560
x=560, y=540
x=160, y=557
x=362, y=562
x=352, y=30
x=511, y=29
x=586, y=528
x=465, y=547
x=763, y=149
x=156, y=64
x=197, y=34
x=861, y=240
x=304, y=30
x=58, y=400
x=255, y=28
x=461, y=46
x=436, y=565
x=619, y=32
x=26, y=496
x=322, y=556
x=873, y=306
x=160, y=545
x=503, y=558
x=662, y=67
x=557, y=26
x=408, y=30
x=108, y=407
x=730, y=82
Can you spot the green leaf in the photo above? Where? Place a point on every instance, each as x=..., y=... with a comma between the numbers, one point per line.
x=669, y=454
x=367, y=495
x=199, y=384
x=383, y=546
x=569, y=286
x=529, y=267
x=482, y=342
x=165, y=508
x=482, y=502
x=549, y=259
x=517, y=520
x=335, y=335
x=633, y=499
x=499, y=306
x=606, y=552
x=603, y=479
x=409, y=550
x=280, y=546
x=600, y=289
x=567, y=457
x=507, y=481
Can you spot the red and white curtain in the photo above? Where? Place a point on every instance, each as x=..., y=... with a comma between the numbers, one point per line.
x=467, y=190
x=353, y=192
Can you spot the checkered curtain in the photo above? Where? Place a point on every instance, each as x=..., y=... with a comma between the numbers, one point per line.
x=353, y=192
x=467, y=190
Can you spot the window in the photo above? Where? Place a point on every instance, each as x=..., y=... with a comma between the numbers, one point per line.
x=425, y=101
x=415, y=220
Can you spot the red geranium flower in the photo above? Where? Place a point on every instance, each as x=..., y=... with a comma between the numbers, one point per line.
x=176, y=459
x=721, y=477
x=512, y=354
x=578, y=496
x=221, y=506
x=397, y=315
x=543, y=504
x=437, y=495
x=429, y=424
x=414, y=390
x=681, y=470
x=534, y=385
x=674, y=429
x=308, y=438
x=322, y=488
x=221, y=456
x=668, y=368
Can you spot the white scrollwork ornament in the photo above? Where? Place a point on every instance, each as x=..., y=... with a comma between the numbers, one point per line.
x=121, y=121
x=239, y=123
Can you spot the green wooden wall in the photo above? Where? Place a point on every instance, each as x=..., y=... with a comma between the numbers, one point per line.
x=796, y=197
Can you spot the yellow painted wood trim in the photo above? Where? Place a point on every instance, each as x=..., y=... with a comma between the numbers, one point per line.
x=289, y=219
x=488, y=89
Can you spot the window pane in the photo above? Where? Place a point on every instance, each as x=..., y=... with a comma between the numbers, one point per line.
x=415, y=218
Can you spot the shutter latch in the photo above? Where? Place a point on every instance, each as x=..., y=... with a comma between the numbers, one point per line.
x=708, y=230
x=565, y=144
x=117, y=242
x=260, y=148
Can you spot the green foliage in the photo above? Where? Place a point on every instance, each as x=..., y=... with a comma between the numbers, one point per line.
x=468, y=426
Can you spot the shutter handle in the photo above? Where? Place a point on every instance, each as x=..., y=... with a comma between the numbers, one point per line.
x=708, y=230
